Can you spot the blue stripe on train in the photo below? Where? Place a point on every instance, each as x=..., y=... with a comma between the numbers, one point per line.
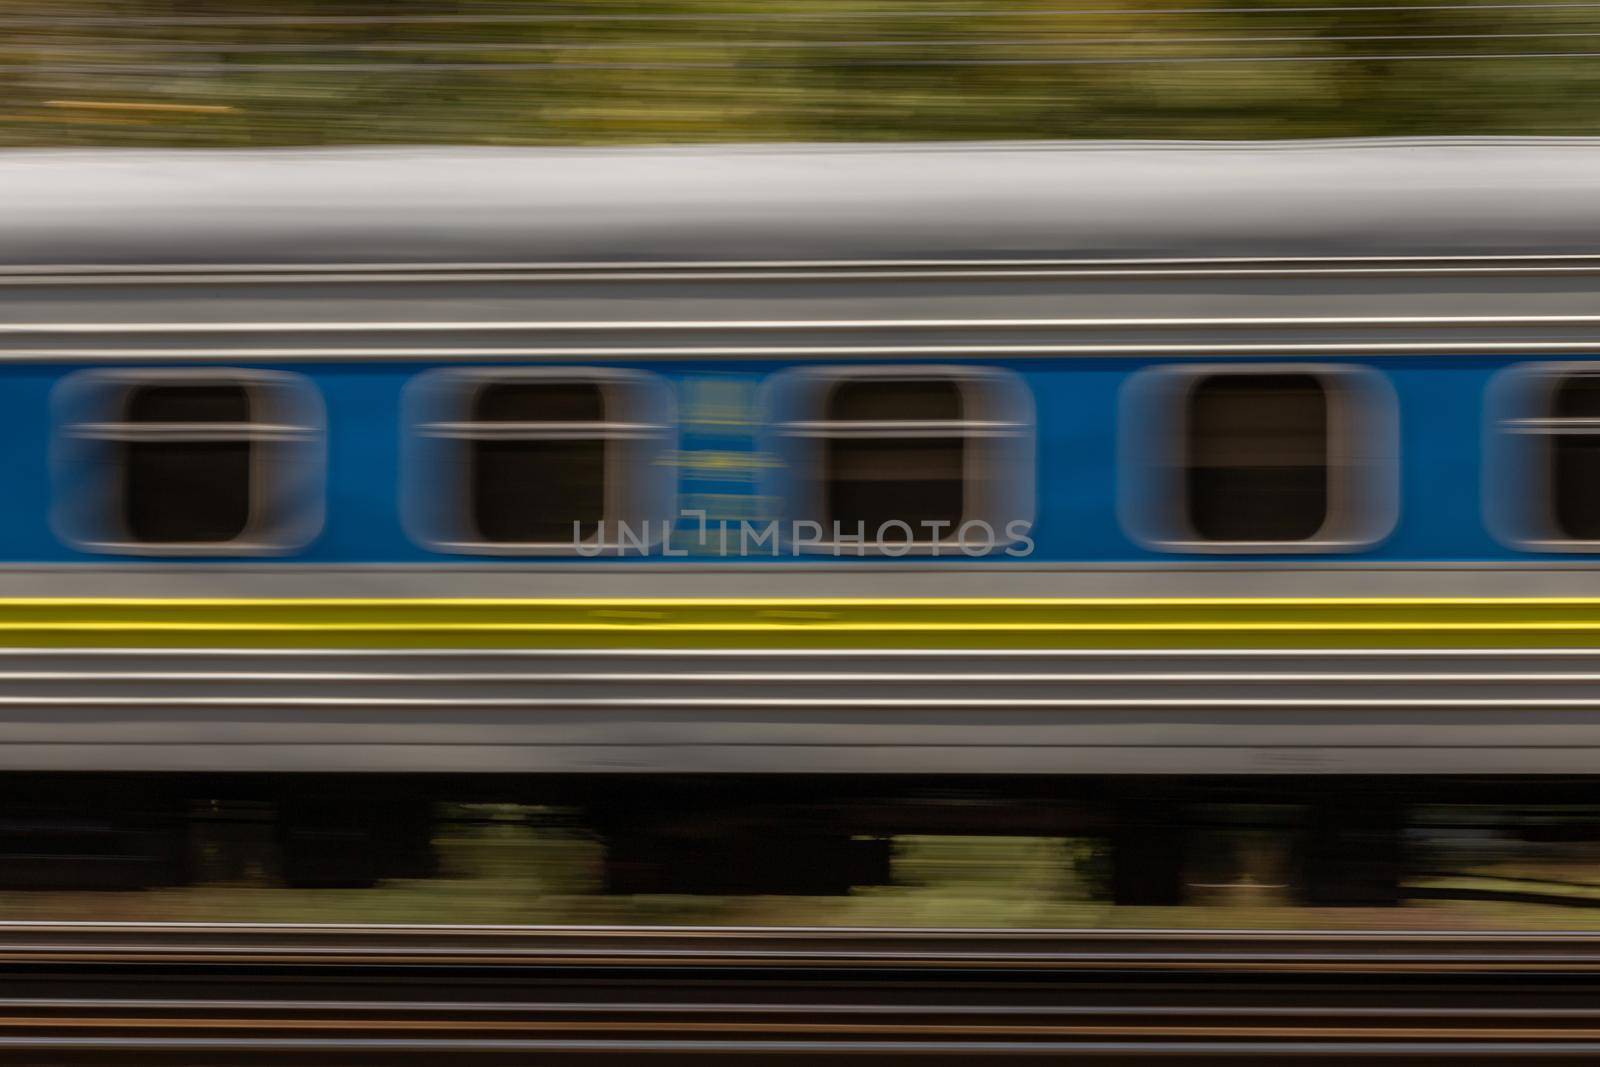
x=1441, y=407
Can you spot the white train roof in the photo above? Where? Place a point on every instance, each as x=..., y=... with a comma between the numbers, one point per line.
x=805, y=202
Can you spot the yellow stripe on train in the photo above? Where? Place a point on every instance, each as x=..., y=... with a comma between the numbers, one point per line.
x=804, y=623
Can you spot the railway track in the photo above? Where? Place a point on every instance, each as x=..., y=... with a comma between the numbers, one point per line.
x=240, y=994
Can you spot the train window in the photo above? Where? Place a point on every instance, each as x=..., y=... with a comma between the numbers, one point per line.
x=1574, y=443
x=891, y=460
x=186, y=459
x=1258, y=458
x=537, y=457
x=1543, y=462
x=178, y=462
x=540, y=462
x=895, y=451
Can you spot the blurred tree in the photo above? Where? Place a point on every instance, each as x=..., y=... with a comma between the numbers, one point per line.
x=249, y=72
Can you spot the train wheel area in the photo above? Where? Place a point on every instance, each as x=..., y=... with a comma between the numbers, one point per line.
x=1075, y=852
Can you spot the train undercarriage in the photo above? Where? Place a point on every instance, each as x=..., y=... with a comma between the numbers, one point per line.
x=1154, y=841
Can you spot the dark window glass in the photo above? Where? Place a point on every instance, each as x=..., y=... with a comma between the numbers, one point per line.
x=190, y=491
x=188, y=403
x=1575, y=459
x=913, y=477
x=1257, y=457
x=532, y=489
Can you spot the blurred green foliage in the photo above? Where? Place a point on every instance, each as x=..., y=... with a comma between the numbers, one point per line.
x=286, y=72
x=498, y=866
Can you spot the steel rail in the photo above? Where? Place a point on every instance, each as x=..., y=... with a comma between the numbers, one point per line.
x=127, y=1048
x=1313, y=951
x=244, y=1006
x=348, y=993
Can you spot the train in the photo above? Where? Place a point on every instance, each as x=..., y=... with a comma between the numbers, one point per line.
x=761, y=503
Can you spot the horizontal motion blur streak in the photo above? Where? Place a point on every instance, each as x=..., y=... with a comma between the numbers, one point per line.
x=775, y=16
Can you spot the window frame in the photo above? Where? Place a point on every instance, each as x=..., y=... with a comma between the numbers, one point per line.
x=288, y=458
x=640, y=487
x=1363, y=495
x=1516, y=458
x=998, y=481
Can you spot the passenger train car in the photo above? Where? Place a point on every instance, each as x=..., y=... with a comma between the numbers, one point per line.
x=763, y=503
